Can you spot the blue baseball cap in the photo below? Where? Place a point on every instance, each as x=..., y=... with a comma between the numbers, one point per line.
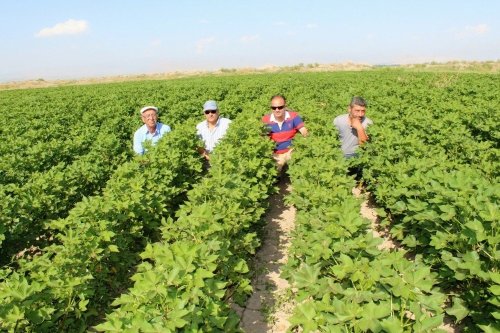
x=210, y=105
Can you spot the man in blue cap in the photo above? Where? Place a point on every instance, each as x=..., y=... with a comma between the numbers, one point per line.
x=212, y=129
x=152, y=130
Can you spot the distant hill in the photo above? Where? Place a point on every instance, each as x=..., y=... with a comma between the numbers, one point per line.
x=450, y=66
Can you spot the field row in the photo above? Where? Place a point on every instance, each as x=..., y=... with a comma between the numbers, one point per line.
x=343, y=282
x=156, y=248
x=73, y=280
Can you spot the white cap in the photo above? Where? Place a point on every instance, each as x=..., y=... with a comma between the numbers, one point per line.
x=146, y=108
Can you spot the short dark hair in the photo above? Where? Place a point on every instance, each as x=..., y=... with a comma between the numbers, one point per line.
x=278, y=96
x=357, y=100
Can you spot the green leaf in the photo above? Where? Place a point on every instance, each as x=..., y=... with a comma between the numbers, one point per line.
x=392, y=325
x=490, y=328
x=306, y=276
x=475, y=230
x=458, y=310
x=495, y=276
x=419, y=279
x=241, y=266
x=304, y=316
x=495, y=289
x=111, y=325
x=439, y=240
x=428, y=323
x=113, y=248
x=380, y=212
x=371, y=313
x=448, y=212
x=410, y=241
x=107, y=235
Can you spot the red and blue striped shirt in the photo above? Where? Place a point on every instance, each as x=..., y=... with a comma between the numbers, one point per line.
x=283, y=134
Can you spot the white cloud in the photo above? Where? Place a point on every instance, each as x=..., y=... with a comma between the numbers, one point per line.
x=473, y=30
x=203, y=21
x=312, y=26
x=156, y=42
x=70, y=27
x=202, y=44
x=249, y=38
x=279, y=23
x=477, y=29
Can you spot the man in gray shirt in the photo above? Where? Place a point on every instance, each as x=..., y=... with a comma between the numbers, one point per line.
x=352, y=126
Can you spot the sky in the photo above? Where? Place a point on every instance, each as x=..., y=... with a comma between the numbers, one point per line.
x=71, y=39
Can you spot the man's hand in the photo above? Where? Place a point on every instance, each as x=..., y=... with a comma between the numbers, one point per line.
x=204, y=153
x=356, y=123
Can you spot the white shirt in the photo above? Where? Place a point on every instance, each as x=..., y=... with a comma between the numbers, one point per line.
x=212, y=135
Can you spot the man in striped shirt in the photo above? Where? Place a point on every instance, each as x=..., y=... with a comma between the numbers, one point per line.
x=283, y=124
x=212, y=129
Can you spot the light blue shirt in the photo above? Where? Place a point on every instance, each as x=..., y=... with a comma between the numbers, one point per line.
x=142, y=134
x=212, y=135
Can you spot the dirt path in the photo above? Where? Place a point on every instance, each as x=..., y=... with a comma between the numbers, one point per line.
x=267, y=309
x=368, y=211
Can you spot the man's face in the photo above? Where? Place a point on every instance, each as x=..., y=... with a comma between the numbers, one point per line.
x=211, y=115
x=149, y=117
x=278, y=106
x=357, y=111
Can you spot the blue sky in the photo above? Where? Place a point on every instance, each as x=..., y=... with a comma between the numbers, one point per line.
x=69, y=39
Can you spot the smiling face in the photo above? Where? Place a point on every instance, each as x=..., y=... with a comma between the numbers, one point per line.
x=278, y=105
x=150, y=117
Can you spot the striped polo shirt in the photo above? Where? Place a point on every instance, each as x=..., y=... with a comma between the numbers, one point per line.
x=283, y=134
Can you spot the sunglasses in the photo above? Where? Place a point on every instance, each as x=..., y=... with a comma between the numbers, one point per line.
x=210, y=111
x=277, y=107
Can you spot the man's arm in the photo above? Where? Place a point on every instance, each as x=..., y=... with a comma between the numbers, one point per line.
x=139, y=150
x=362, y=136
x=203, y=152
x=298, y=123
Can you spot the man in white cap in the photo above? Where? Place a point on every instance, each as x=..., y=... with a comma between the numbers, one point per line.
x=152, y=130
x=212, y=129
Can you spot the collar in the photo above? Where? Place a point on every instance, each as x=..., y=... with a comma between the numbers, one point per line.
x=287, y=116
x=157, y=129
x=216, y=124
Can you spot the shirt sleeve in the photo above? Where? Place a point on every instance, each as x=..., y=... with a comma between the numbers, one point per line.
x=138, y=144
x=298, y=123
x=198, y=131
x=165, y=129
